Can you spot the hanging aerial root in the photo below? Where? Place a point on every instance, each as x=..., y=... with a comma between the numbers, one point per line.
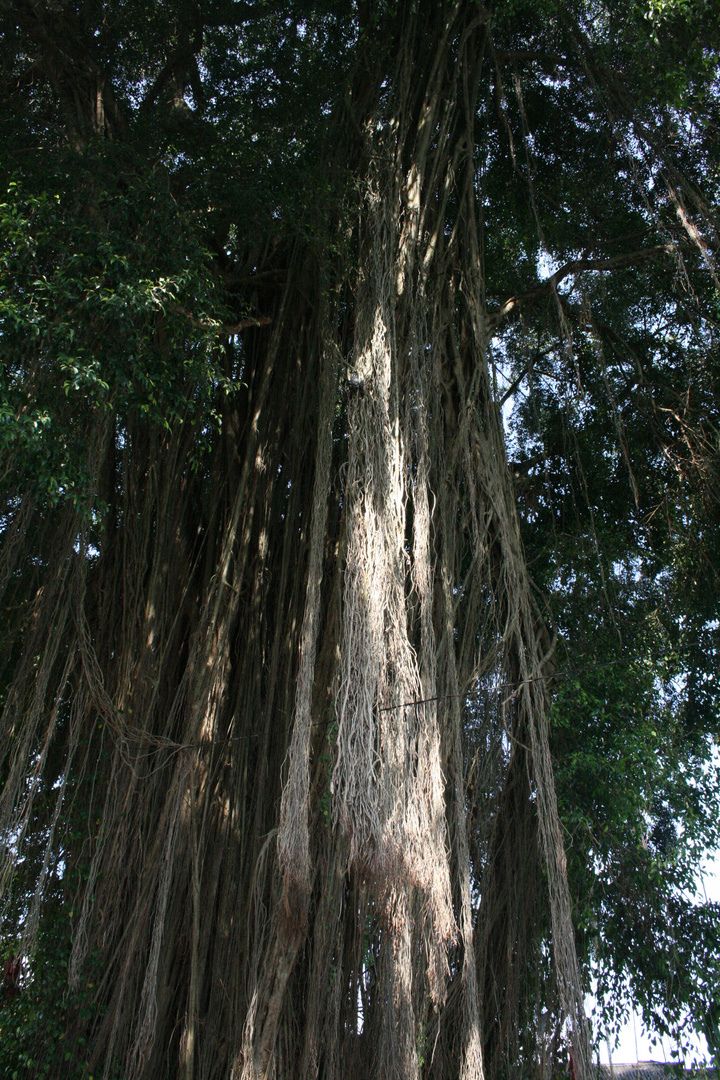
x=523, y=643
x=387, y=781
x=471, y=1065
x=147, y=1013
x=397, y=1052
x=293, y=833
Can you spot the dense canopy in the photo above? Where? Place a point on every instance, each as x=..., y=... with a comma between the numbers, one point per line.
x=359, y=533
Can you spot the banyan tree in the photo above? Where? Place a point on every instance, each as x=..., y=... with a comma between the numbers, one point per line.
x=278, y=680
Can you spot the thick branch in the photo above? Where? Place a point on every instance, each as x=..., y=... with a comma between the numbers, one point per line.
x=576, y=266
x=223, y=329
x=177, y=62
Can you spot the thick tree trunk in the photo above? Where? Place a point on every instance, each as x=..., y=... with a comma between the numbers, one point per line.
x=273, y=663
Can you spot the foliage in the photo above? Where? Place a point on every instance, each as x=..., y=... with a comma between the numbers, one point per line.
x=107, y=305
x=39, y=1025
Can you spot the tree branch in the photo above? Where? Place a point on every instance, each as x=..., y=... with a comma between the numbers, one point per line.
x=190, y=45
x=576, y=266
x=222, y=329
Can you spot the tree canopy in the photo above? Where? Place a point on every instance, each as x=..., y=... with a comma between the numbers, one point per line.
x=359, y=533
